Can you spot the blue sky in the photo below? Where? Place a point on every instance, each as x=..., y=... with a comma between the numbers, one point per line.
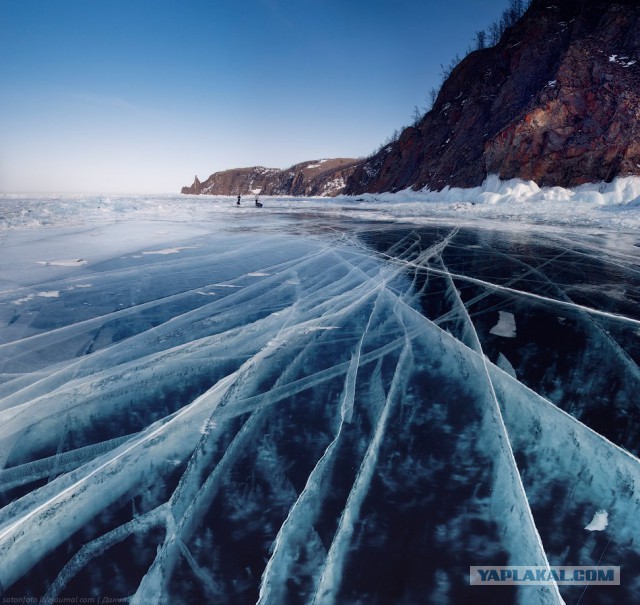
x=112, y=96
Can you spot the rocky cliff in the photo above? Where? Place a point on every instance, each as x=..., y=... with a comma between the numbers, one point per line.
x=557, y=100
x=317, y=177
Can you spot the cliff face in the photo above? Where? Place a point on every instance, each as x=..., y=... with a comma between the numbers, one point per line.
x=319, y=177
x=557, y=100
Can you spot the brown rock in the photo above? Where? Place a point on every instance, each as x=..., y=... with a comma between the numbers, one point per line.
x=556, y=101
x=317, y=178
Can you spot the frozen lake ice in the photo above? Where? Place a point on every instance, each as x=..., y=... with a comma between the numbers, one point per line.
x=315, y=402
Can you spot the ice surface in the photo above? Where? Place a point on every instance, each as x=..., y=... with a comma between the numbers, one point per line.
x=319, y=404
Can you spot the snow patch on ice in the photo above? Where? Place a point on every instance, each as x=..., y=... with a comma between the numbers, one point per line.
x=506, y=326
x=72, y=262
x=175, y=250
x=257, y=274
x=43, y=294
x=24, y=299
x=208, y=426
x=599, y=522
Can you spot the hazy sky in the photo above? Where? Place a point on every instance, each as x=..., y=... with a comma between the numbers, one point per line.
x=139, y=95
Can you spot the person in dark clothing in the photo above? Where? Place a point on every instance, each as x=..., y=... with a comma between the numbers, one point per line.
x=238, y=202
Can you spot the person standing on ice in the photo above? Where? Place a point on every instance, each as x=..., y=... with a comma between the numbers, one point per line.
x=238, y=202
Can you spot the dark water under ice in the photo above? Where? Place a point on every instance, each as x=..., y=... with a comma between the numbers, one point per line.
x=312, y=411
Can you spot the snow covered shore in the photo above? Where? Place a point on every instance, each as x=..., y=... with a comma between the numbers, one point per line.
x=614, y=205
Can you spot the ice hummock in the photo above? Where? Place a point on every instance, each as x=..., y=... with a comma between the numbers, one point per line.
x=599, y=522
x=506, y=326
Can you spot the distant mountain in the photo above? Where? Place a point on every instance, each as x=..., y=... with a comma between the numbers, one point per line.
x=317, y=177
x=557, y=101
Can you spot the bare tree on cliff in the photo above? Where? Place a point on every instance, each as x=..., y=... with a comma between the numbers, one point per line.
x=416, y=116
x=445, y=71
x=431, y=99
x=509, y=17
x=515, y=10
